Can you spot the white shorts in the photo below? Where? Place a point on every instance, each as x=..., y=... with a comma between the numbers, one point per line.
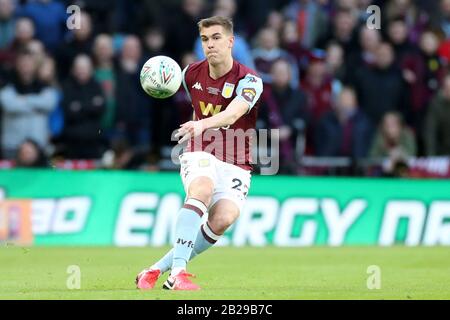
x=230, y=182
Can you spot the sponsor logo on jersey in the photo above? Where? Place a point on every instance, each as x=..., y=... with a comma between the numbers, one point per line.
x=197, y=86
x=213, y=91
x=209, y=109
x=249, y=94
x=227, y=90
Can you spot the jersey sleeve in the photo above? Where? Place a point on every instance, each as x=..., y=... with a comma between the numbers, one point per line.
x=183, y=77
x=249, y=89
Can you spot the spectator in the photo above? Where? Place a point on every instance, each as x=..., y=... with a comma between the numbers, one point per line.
x=334, y=61
x=24, y=33
x=183, y=30
x=275, y=21
x=228, y=8
x=433, y=69
x=37, y=50
x=7, y=23
x=267, y=52
x=393, y=138
x=398, y=37
x=50, y=19
x=255, y=12
x=133, y=117
x=369, y=40
x=125, y=157
x=154, y=41
x=84, y=106
x=437, y=123
x=290, y=41
x=31, y=155
x=47, y=75
x=317, y=85
x=26, y=105
x=102, y=13
x=149, y=13
x=79, y=42
x=284, y=108
x=105, y=74
x=443, y=21
x=416, y=20
x=344, y=131
x=423, y=71
x=385, y=78
x=310, y=19
x=342, y=30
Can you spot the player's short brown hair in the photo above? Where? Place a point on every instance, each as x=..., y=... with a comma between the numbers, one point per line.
x=226, y=23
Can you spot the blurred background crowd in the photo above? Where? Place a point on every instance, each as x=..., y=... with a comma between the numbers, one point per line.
x=341, y=94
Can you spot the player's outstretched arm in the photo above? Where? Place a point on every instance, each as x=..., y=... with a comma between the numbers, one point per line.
x=236, y=109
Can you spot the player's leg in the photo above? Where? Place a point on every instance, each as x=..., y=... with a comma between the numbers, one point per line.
x=189, y=221
x=229, y=197
x=186, y=229
x=197, y=172
x=221, y=216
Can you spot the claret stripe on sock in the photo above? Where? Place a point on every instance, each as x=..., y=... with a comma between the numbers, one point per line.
x=209, y=235
x=196, y=206
x=210, y=240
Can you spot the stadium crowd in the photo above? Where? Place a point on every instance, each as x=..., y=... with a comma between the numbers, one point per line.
x=333, y=86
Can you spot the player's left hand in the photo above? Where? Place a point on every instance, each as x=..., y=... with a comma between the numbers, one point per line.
x=188, y=130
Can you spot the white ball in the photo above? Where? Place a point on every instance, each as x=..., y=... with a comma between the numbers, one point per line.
x=160, y=77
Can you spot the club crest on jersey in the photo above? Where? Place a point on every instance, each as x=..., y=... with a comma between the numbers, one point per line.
x=227, y=90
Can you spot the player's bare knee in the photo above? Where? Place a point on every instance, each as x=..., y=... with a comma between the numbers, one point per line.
x=202, y=189
x=221, y=222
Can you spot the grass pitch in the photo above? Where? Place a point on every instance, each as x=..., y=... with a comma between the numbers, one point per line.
x=230, y=273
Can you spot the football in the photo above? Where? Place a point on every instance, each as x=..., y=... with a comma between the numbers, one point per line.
x=160, y=77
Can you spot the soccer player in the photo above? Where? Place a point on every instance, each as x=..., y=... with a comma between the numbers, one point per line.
x=215, y=170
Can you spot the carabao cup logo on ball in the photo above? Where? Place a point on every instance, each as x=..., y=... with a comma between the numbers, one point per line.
x=161, y=77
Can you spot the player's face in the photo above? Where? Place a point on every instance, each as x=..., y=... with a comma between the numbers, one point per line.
x=216, y=43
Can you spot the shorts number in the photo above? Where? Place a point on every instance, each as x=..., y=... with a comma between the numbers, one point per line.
x=238, y=184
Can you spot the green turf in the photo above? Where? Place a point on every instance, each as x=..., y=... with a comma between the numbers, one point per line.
x=231, y=273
